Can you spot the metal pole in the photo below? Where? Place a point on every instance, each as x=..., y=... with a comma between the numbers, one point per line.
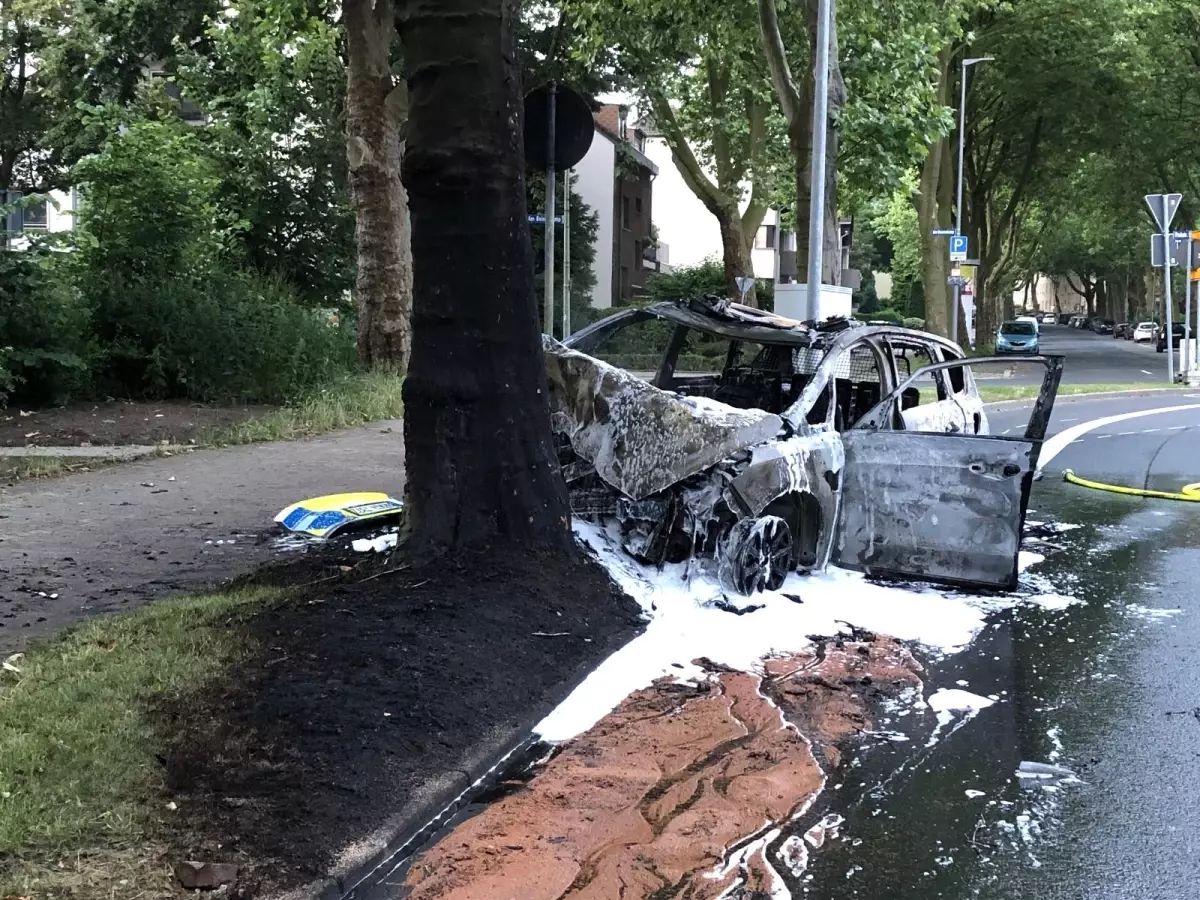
x=548, y=315
x=566, y=272
x=1186, y=364
x=958, y=195
x=1167, y=302
x=816, y=212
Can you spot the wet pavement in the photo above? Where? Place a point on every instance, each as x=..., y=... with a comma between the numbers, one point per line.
x=1108, y=688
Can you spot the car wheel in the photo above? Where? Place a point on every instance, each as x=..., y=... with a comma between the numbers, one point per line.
x=755, y=555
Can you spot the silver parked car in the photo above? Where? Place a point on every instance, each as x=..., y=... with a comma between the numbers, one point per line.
x=769, y=445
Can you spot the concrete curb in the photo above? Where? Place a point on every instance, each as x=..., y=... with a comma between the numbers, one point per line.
x=1099, y=395
x=104, y=452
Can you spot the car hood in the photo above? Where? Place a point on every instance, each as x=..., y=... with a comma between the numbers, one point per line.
x=641, y=439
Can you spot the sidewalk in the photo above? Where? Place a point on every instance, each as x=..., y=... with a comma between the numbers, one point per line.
x=114, y=538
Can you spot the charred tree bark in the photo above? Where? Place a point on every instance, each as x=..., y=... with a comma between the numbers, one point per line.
x=376, y=108
x=480, y=455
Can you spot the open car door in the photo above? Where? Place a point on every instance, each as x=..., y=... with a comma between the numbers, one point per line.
x=939, y=506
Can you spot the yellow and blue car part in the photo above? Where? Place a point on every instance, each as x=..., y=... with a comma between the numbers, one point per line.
x=322, y=517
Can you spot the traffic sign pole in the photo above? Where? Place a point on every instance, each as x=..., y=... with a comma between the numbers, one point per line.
x=1167, y=321
x=1185, y=364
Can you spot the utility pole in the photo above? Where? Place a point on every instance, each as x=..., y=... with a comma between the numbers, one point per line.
x=548, y=316
x=816, y=212
x=958, y=202
x=566, y=270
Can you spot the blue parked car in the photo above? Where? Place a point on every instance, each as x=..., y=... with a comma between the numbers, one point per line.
x=1017, y=337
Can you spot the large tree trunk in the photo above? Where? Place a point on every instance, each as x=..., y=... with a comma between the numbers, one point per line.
x=376, y=107
x=478, y=447
x=736, y=254
x=934, y=253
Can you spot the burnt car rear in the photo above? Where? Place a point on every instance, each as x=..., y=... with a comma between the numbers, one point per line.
x=754, y=442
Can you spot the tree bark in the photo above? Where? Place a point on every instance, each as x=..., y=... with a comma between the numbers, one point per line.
x=481, y=461
x=736, y=253
x=376, y=108
x=934, y=253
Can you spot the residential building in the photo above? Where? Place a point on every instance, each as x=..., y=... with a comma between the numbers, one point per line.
x=616, y=179
x=55, y=213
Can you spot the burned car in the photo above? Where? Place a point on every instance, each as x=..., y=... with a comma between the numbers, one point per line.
x=769, y=445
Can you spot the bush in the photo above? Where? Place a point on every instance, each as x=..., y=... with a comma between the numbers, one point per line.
x=880, y=315
x=234, y=337
x=175, y=311
x=45, y=343
x=913, y=322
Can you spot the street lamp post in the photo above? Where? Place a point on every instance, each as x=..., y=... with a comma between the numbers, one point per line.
x=820, y=123
x=958, y=202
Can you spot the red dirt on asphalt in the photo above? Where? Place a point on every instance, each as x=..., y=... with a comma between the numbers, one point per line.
x=650, y=801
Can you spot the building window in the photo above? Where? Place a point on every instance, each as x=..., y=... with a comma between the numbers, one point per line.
x=764, y=238
x=35, y=216
x=625, y=213
x=637, y=206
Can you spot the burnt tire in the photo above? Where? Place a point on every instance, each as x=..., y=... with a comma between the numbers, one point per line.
x=755, y=555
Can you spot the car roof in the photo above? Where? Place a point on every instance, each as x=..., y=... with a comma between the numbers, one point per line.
x=724, y=318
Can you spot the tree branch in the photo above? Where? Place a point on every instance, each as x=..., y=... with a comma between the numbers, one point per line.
x=718, y=89
x=776, y=53
x=700, y=184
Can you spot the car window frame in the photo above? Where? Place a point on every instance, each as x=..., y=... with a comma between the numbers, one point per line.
x=796, y=415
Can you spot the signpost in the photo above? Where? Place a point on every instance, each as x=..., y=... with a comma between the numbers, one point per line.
x=1163, y=208
x=744, y=283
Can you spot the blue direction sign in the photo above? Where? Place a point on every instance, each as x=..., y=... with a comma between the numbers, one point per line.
x=958, y=248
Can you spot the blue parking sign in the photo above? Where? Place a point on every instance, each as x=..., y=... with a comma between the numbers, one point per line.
x=958, y=248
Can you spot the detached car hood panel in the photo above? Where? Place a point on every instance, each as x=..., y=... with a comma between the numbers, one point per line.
x=640, y=439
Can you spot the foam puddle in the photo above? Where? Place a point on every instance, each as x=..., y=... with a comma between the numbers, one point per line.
x=686, y=624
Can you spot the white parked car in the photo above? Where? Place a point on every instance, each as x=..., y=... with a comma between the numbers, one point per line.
x=1033, y=320
x=1145, y=331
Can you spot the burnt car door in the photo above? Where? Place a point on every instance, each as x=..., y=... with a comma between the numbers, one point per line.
x=938, y=506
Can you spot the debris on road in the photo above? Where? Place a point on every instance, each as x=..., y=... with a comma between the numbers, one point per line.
x=323, y=517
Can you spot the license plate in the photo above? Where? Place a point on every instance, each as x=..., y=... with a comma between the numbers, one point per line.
x=371, y=509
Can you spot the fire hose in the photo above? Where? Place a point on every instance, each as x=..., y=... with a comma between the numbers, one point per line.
x=1189, y=492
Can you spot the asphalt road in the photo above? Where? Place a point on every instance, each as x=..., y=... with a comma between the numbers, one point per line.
x=1108, y=687
x=117, y=537
x=1098, y=359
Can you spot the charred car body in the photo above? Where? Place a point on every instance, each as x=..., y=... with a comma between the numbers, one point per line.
x=792, y=446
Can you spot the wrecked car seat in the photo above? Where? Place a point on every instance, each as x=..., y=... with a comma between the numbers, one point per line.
x=749, y=388
x=854, y=400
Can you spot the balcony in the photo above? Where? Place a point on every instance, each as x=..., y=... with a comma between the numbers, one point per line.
x=656, y=259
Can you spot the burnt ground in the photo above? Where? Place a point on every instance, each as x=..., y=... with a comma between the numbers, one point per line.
x=117, y=422
x=364, y=694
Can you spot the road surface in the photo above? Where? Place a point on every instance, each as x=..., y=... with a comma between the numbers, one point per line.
x=1098, y=359
x=1109, y=688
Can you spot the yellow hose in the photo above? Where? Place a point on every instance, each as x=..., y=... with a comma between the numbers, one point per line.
x=1189, y=492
